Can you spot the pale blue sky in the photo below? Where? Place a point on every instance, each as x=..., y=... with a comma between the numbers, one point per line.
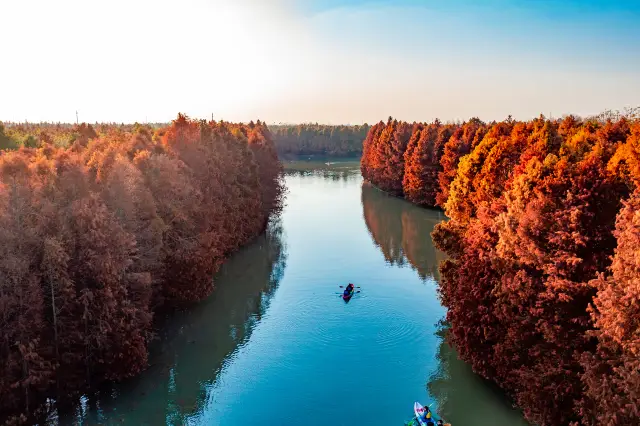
x=330, y=61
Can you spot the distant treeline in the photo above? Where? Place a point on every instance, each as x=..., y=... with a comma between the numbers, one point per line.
x=542, y=283
x=318, y=139
x=289, y=140
x=100, y=228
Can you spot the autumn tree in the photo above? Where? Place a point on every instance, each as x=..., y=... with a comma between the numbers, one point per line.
x=369, y=147
x=392, y=168
x=458, y=145
x=612, y=369
x=420, y=167
x=26, y=368
x=100, y=233
x=532, y=220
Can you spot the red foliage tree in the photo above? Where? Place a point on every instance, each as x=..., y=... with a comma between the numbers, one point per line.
x=98, y=235
x=379, y=154
x=269, y=169
x=533, y=208
x=420, y=167
x=392, y=172
x=368, y=148
x=26, y=371
x=612, y=370
x=532, y=220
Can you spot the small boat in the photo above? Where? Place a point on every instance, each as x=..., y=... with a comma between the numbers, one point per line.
x=419, y=411
x=348, y=292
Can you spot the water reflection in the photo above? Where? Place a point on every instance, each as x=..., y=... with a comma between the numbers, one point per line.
x=334, y=175
x=196, y=344
x=330, y=169
x=402, y=231
x=462, y=396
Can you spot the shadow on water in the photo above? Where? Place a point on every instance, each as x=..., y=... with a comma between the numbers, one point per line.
x=462, y=396
x=402, y=231
x=195, y=344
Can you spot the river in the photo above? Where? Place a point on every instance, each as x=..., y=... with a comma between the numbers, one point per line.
x=275, y=344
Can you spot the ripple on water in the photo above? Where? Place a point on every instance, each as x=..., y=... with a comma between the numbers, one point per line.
x=327, y=323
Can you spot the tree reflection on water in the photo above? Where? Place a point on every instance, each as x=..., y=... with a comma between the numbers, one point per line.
x=194, y=345
x=461, y=395
x=402, y=231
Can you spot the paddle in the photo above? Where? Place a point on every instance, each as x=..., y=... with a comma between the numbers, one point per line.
x=354, y=292
x=357, y=286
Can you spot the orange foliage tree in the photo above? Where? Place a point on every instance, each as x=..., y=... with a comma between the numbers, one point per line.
x=538, y=211
x=404, y=159
x=532, y=220
x=460, y=144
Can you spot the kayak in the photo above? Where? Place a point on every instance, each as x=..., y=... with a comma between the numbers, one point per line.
x=348, y=296
x=419, y=410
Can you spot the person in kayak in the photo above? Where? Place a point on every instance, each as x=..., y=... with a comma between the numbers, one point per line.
x=348, y=290
x=427, y=416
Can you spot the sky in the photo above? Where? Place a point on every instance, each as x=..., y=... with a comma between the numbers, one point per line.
x=325, y=61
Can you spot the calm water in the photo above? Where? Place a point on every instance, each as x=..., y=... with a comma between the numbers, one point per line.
x=276, y=345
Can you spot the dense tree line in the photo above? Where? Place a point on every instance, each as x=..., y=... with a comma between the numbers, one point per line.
x=318, y=139
x=289, y=140
x=34, y=135
x=99, y=235
x=417, y=161
x=541, y=283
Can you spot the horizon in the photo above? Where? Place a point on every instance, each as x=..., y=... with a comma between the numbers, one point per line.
x=335, y=62
x=628, y=112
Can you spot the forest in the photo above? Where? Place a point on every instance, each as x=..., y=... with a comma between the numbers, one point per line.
x=104, y=227
x=290, y=141
x=318, y=139
x=542, y=276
